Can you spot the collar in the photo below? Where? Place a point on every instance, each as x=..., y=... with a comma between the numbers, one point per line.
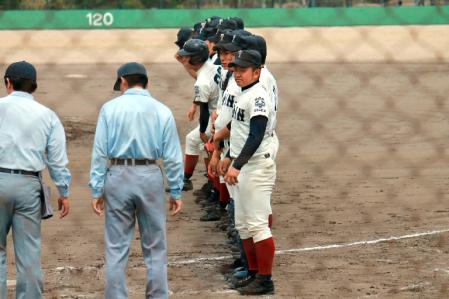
x=22, y=94
x=137, y=91
x=249, y=86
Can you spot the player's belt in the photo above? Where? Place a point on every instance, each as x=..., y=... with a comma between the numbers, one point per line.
x=132, y=162
x=18, y=171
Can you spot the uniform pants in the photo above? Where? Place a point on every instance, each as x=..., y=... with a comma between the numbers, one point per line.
x=252, y=197
x=20, y=209
x=194, y=144
x=135, y=192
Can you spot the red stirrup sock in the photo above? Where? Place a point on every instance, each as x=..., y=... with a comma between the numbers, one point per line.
x=224, y=194
x=250, y=251
x=189, y=166
x=265, y=256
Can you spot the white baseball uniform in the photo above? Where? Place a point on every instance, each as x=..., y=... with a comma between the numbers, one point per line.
x=252, y=193
x=269, y=83
x=206, y=91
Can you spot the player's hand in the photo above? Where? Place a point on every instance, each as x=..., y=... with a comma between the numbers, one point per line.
x=192, y=111
x=175, y=206
x=209, y=146
x=231, y=176
x=63, y=206
x=213, y=164
x=204, y=137
x=223, y=166
x=98, y=206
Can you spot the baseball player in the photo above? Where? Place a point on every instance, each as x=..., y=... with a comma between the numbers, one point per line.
x=135, y=130
x=196, y=53
x=31, y=138
x=183, y=35
x=250, y=168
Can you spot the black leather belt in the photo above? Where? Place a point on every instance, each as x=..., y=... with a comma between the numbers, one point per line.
x=132, y=162
x=17, y=171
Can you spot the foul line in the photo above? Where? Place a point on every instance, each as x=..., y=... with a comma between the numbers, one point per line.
x=317, y=248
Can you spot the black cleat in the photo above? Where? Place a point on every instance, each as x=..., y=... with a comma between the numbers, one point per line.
x=258, y=286
x=188, y=185
x=210, y=216
x=237, y=283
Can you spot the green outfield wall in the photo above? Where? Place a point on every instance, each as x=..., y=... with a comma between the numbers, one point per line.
x=173, y=18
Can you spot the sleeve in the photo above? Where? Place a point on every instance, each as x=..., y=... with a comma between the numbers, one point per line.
x=201, y=93
x=259, y=106
x=257, y=127
x=204, y=117
x=57, y=158
x=172, y=158
x=99, y=162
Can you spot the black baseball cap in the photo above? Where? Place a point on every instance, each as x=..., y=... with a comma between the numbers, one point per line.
x=235, y=42
x=21, y=70
x=130, y=68
x=247, y=58
x=184, y=34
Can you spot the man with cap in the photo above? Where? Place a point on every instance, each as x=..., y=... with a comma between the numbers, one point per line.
x=31, y=138
x=195, y=52
x=250, y=168
x=133, y=132
x=183, y=35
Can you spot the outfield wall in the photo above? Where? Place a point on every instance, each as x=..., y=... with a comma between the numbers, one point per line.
x=368, y=34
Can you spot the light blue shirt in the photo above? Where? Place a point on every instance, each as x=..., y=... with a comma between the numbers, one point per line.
x=136, y=126
x=32, y=137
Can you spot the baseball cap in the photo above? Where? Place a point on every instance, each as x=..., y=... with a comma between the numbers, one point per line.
x=193, y=47
x=260, y=46
x=238, y=21
x=21, y=70
x=183, y=35
x=233, y=41
x=247, y=58
x=130, y=68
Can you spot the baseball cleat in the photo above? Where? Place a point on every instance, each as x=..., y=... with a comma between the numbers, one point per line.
x=258, y=286
x=237, y=283
x=188, y=185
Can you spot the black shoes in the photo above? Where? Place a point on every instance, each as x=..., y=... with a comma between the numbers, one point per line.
x=238, y=283
x=211, y=216
x=188, y=185
x=260, y=285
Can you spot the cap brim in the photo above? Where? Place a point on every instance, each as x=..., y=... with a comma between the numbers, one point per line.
x=183, y=52
x=241, y=63
x=117, y=84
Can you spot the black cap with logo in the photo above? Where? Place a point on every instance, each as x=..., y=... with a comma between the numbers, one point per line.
x=247, y=58
x=21, y=70
x=130, y=68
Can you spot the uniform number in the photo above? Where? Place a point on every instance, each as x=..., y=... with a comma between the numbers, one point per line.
x=99, y=19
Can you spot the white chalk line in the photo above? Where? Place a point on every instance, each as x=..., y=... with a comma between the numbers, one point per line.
x=278, y=252
x=320, y=247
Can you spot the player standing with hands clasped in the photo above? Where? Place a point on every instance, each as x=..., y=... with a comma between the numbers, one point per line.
x=133, y=131
x=251, y=169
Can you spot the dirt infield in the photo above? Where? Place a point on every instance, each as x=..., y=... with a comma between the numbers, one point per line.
x=362, y=159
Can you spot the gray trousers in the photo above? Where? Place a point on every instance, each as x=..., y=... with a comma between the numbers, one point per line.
x=135, y=192
x=20, y=209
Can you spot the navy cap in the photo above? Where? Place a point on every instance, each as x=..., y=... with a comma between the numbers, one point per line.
x=239, y=22
x=184, y=34
x=130, y=68
x=234, y=41
x=194, y=47
x=261, y=47
x=21, y=70
x=247, y=58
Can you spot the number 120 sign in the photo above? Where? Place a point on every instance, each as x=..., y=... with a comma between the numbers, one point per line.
x=100, y=19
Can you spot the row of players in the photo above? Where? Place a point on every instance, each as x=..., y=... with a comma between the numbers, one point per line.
x=237, y=99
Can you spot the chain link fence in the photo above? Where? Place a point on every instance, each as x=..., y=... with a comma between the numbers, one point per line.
x=360, y=203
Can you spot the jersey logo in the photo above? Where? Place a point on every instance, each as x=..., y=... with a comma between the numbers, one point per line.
x=197, y=91
x=260, y=103
x=228, y=101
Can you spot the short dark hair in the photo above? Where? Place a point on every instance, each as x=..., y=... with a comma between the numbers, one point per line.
x=134, y=80
x=20, y=84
